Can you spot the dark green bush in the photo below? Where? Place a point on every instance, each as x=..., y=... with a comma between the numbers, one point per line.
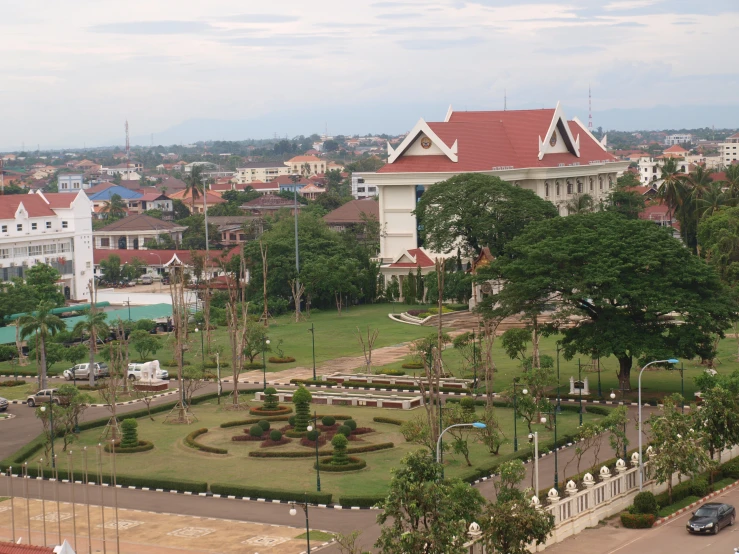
x=307, y=453
x=270, y=494
x=130, y=434
x=317, y=382
x=412, y=365
x=256, y=430
x=279, y=410
x=12, y=383
x=275, y=435
x=637, y=521
x=339, y=443
x=645, y=503
x=731, y=469
x=264, y=424
x=142, y=446
x=351, y=464
x=344, y=430
x=291, y=420
x=388, y=420
x=270, y=399
x=7, y=352
x=328, y=421
x=392, y=372
x=253, y=365
x=351, y=424
x=252, y=420
x=361, y=501
x=313, y=435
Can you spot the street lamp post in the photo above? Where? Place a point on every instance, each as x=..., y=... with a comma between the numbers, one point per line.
x=553, y=414
x=202, y=345
x=474, y=363
x=318, y=469
x=580, y=386
x=534, y=438
x=264, y=360
x=313, y=340
x=295, y=178
x=641, y=462
x=524, y=391
x=294, y=512
x=559, y=403
x=476, y=425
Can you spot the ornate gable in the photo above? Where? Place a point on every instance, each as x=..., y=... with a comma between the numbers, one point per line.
x=558, y=138
x=422, y=141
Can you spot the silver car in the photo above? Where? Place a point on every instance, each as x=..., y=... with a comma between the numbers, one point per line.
x=81, y=371
x=3, y=404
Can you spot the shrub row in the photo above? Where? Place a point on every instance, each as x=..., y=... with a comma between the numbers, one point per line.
x=637, y=521
x=245, y=438
x=252, y=420
x=388, y=420
x=285, y=360
x=412, y=365
x=354, y=464
x=392, y=372
x=268, y=494
x=192, y=443
x=308, y=453
x=361, y=501
x=253, y=365
x=590, y=408
x=142, y=447
x=282, y=410
x=12, y=383
x=317, y=382
x=358, y=385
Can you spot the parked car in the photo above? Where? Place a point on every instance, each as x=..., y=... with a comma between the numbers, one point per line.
x=134, y=372
x=3, y=404
x=711, y=517
x=81, y=371
x=147, y=279
x=43, y=397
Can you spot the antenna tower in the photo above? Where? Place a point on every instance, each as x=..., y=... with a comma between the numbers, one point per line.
x=590, y=110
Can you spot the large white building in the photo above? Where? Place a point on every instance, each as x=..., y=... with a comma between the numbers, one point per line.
x=55, y=229
x=263, y=172
x=71, y=182
x=360, y=189
x=729, y=150
x=678, y=138
x=535, y=149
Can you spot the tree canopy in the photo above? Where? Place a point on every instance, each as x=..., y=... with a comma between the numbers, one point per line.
x=481, y=210
x=639, y=291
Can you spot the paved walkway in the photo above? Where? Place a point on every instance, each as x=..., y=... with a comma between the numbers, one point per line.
x=142, y=532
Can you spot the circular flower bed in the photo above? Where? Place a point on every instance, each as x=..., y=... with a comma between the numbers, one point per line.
x=355, y=464
x=412, y=365
x=142, y=447
x=281, y=410
x=285, y=360
x=242, y=438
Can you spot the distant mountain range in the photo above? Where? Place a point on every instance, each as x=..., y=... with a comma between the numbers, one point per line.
x=350, y=120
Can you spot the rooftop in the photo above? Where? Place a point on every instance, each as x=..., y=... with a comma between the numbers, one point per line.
x=140, y=222
x=352, y=212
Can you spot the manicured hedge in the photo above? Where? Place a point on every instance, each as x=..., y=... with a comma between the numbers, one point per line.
x=637, y=521
x=412, y=365
x=12, y=383
x=285, y=360
x=361, y=501
x=253, y=365
x=282, y=410
x=388, y=420
x=192, y=443
x=308, y=453
x=359, y=385
x=355, y=464
x=142, y=447
x=317, y=382
x=251, y=421
x=269, y=494
x=392, y=372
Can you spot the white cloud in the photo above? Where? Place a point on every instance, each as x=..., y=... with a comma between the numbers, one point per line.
x=630, y=5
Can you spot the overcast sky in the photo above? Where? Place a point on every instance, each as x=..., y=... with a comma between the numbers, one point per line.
x=73, y=71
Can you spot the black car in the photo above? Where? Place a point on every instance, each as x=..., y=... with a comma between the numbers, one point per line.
x=711, y=517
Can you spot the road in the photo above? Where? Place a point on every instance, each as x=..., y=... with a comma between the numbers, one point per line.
x=670, y=538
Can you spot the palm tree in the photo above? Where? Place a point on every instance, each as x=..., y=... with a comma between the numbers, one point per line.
x=699, y=180
x=671, y=188
x=43, y=324
x=115, y=208
x=579, y=204
x=713, y=199
x=195, y=187
x=732, y=179
x=93, y=326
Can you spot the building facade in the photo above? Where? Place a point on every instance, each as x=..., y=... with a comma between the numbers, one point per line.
x=71, y=182
x=730, y=150
x=535, y=149
x=263, y=172
x=678, y=138
x=360, y=189
x=49, y=228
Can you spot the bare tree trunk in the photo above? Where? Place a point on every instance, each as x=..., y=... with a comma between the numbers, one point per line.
x=297, y=290
x=368, y=346
x=535, y=362
x=237, y=319
x=41, y=341
x=263, y=250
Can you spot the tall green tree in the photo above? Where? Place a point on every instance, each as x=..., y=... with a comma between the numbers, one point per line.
x=424, y=514
x=93, y=326
x=637, y=288
x=114, y=209
x=195, y=185
x=111, y=269
x=481, y=210
x=624, y=200
x=44, y=325
x=43, y=279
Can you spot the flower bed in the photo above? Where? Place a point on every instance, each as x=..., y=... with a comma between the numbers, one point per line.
x=192, y=443
x=246, y=438
x=285, y=360
x=312, y=444
x=252, y=420
x=270, y=442
x=143, y=446
x=355, y=464
x=412, y=365
x=282, y=410
x=637, y=521
x=308, y=453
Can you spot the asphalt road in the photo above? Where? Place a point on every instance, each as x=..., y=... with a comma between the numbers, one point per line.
x=670, y=538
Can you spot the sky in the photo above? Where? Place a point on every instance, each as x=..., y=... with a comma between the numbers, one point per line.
x=74, y=71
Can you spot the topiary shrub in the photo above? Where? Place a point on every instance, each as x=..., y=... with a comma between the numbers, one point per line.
x=645, y=503
x=264, y=424
x=344, y=430
x=313, y=436
x=291, y=421
x=328, y=420
x=270, y=399
x=256, y=430
x=468, y=405
x=130, y=437
x=302, y=398
x=393, y=372
x=351, y=424
x=412, y=365
x=275, y=435
x=339, y=456
x=637, y=521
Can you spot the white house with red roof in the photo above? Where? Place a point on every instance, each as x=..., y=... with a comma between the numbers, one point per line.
x=540, y=150
x=49, y=228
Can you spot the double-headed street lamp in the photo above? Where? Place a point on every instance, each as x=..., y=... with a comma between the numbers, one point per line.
x=524, y=391
x=641, y=462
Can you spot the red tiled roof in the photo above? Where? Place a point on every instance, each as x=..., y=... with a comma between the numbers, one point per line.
x=287, y=180
x=676, y=149
x=153, y=256
x=419, y=255
x=33, y=203
x=59, y=199
x=150, y=196
x=352, y=211
x=496, y=139
x=10, y=548
x=98, y=188
x=297, y=159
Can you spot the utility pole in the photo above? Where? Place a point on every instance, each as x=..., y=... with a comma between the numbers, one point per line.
x=295, y=178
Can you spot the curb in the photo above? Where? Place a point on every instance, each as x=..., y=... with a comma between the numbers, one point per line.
x=173, y=391
x=694, y=504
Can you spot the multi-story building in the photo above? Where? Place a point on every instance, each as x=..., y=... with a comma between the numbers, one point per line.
x=539, y=150
x=55, y=229
x=134, y=231
x=71, y=182
x=306, y=165
x=263, y=172
x=360, y=189
x=729, y=150
x=678, y=138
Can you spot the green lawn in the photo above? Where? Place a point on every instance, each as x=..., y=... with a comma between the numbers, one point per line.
x=172, y=459
x=336, y=336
